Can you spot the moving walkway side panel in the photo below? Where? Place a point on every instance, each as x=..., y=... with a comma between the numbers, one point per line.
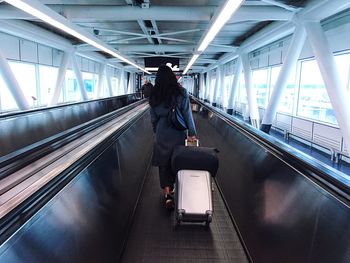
x=21, y=129
x=282, y=214
x=88, y=220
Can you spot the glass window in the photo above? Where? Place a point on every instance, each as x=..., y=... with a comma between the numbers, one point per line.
x=114, y=83
x=101, y=90
x=89, y=83
x=121, y=86
x=260, y=83
x=218, y=93
x=313, y=101
x=71, y=90
x=287, y=99
x=343, y=66
x=104, y=89
x=212, y=88
x=242, y=91
x=7, y=102
x=26, y=78
x=47, y=80
x=227, y=87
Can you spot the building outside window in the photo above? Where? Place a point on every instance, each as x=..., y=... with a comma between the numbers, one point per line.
x=212, y=87
x=288, y=96
x=26, y=78
x=90, y=81
x=7, y=102
x=114, y=83
x=226, y=91
x=313, y=101
x=260, y=82
x=122, y=85
x=47, y=80
x=71, y=90
x=343, y=66
x=242, y=91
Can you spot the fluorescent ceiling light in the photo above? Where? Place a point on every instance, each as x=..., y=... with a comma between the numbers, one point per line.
x=151, y=69
x=46, y=18
x=179, y=79
x=156, y=69
x=226, y=12
x=193, y=59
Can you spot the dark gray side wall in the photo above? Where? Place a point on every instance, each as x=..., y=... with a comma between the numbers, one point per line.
x=22, y=129
x=282, y=215
x=88, y=220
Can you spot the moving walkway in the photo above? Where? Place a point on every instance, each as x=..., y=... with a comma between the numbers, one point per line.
x=271, y=203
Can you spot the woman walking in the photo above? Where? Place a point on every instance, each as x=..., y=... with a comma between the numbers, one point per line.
x=166, y=93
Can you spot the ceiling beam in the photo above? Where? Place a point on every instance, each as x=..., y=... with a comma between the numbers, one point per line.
x=170, y=48
x=119, y=32
x=86, y=13
x=36, y=34
x=315, y=10
x=145, y=55
x=180, y=32
x=28, y=31
x=58, y=21
x=144, y=30
x=139, y=36
x=126, y=48
x=318, y=10
x=155, y=27
x=126, y=40
x=274, y=2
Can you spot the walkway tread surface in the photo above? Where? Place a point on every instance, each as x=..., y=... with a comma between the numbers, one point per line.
x=153, y=237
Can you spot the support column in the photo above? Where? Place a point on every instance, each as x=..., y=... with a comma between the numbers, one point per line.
x=12, y=83
x=129, y=84
x=79, y=77
x=233, y=90
x=125, y=82
x=192, y=80
x=207, y=91
x=337, y=93
x=202, y=87
x=108, y=80
x=217, y=85
x=121, y=81
x=288, y=65
x=251, y=94
x=222, y=86
x=60, y=78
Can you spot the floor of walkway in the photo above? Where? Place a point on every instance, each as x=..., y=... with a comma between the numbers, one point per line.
x=153, y=237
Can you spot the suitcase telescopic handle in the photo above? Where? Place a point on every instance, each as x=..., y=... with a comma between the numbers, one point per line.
x=194, y=143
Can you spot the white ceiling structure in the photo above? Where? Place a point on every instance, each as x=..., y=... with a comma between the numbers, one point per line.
x=139, y=29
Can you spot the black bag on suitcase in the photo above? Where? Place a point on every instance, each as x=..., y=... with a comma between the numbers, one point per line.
x=195, y=158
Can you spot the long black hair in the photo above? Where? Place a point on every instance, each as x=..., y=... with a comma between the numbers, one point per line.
x=166, y=87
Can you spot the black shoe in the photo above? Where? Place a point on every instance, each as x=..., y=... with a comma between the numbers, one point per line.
x=169, y=202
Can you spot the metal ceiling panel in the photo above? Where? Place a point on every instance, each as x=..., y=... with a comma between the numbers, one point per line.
x=167, y=27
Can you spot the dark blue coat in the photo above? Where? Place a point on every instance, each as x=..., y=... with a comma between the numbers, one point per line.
x=166, y=136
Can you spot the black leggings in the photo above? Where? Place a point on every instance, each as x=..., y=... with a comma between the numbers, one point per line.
x=166, y=176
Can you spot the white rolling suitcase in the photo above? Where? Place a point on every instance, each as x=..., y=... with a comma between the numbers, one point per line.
x=193, y=197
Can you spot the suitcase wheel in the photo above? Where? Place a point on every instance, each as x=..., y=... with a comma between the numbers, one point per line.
x=179, y=219
x=209, y=219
